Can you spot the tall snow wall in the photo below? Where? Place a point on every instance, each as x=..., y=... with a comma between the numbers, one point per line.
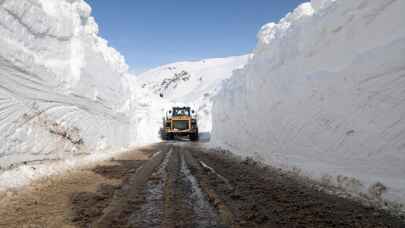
x=324, y=94
x=63, y=91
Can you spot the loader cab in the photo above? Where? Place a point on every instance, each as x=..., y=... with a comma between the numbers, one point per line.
x=184, y=111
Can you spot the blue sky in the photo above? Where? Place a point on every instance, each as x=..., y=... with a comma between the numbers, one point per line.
x=150, y=33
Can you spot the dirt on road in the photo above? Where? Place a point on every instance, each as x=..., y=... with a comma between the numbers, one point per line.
x=183, y=185
x=49, y=202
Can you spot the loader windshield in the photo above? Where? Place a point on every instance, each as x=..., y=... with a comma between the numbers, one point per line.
x=181, y=111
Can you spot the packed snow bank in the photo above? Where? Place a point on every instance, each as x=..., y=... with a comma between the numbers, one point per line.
x=324, y=94
x=63, y=91
x=191, y=83
x=146, y=114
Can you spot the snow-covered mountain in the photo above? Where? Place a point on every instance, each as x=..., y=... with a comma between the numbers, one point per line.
x=63, y=91
x=324, y=94
x=191, y=83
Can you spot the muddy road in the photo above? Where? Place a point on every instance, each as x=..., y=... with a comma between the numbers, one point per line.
x=184, y=185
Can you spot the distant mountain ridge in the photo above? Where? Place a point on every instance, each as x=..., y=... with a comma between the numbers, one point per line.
x=192, y=83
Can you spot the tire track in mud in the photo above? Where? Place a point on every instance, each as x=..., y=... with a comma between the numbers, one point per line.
x=160, y=192
x=204, y=214
x=186, y=186
x=224, y=216
x=171, y=197
x=186, y=204
x=259, y=196
x=129, y=197
x=151, y=211
x=111, y=206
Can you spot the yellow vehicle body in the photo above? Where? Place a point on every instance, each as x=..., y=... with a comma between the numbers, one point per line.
x=181, y=123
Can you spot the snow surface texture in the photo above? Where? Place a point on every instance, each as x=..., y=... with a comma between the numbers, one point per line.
x=63, y=91
x=324, y=93
x=191, y=84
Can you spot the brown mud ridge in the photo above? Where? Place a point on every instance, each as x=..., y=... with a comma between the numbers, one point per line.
x=184, y=186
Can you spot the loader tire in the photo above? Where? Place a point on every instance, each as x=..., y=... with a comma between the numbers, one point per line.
x=165, y=136
x=194, y=137
x=170, y=136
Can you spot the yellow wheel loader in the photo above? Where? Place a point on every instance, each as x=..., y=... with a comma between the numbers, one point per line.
x=180, y=121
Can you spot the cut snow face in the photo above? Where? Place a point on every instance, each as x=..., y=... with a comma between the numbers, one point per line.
x=63, y=91
x=324, y=95
x=191, y=83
